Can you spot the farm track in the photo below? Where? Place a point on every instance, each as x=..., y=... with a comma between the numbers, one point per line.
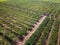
x=58, y=40
x=59, y=35
x=30, y=33
x=47, y=41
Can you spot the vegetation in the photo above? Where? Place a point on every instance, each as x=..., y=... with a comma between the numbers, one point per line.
x=18, y=17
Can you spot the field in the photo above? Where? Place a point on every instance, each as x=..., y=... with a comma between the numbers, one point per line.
x=29, y=22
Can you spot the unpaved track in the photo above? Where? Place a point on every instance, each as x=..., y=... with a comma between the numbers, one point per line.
x=58, y=40
x=47, y=41
x=30, y=33
x=59, y=35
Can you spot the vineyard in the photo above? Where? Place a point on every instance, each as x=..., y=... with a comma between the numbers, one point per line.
x=29, y=22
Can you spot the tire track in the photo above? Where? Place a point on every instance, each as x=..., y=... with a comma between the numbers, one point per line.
x=47, y=41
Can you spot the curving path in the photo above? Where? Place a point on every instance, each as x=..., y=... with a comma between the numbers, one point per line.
x=48, y=39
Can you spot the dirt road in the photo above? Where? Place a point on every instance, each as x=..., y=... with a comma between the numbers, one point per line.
x=32, y=32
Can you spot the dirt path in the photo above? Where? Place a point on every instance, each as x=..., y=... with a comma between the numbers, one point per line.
x=30, y=33
x=59, y=35
x=47, y=41
x=58, y=40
